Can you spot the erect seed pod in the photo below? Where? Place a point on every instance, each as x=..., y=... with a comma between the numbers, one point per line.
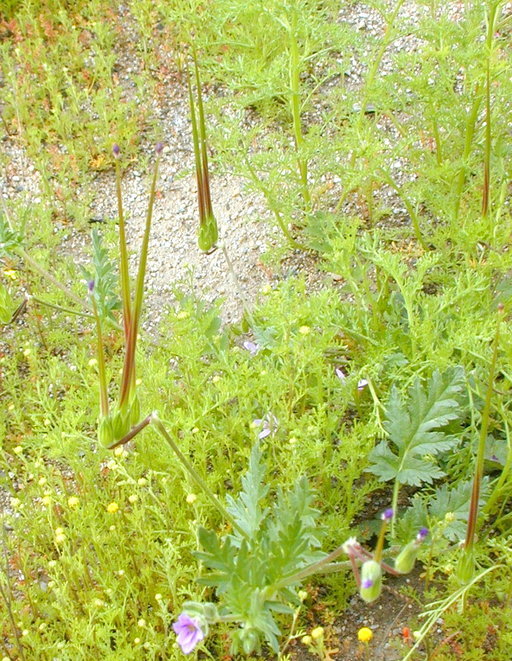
x=134, y=415
x=105, y=431
x=120, y=425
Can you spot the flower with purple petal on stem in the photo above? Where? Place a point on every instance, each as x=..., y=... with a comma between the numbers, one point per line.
x=387, y=515
x=252, y=347
x=361, y=384
x=188, y=632
x=422, y=533
x=340, y=374
x=269, y=425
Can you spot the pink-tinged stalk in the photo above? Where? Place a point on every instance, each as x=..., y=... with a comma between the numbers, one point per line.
x=479, y=463
x=128, y=377
x=123, y=251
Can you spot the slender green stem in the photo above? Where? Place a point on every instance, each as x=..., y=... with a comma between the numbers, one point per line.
x=273, y=204
x=469, y=135
x=60, y=308
x=101, y=360
x=195, y=475
x=295, y=108
x=394, y=505
x=437, y=137
x=48, y=276
x=439, y=607
x=310, y=569
x=486, y=191
x=377, y=555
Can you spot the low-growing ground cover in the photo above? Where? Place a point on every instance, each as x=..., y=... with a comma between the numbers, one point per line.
x=175, y=484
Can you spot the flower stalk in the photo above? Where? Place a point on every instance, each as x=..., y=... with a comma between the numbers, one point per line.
x=195, y=475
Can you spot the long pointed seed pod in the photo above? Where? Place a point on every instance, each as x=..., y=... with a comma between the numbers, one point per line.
x=208, y=230
x=128, y=377
x=123, y=252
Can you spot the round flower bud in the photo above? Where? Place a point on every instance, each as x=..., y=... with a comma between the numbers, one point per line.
x=317, y=633
x=364, y=635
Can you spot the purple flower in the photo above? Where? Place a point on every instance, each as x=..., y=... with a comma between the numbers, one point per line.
x=387, y=515
x=159, y=147
x=423, y=532
x=90, y=286
x=367, y=583
x=361, y=385
x=188, y=632
x=116, y=151
x=251, y=347
x=269, y=425
x=340, y=374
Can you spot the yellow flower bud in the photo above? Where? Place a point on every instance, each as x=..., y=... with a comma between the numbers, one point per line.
x=317, y=633
x=112, y=508
x=73, y=501
x=364, y=635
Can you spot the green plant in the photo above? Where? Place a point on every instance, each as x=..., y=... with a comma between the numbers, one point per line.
x=418, y=431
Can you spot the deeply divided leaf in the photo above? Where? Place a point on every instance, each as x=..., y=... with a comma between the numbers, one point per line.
x=416, y=429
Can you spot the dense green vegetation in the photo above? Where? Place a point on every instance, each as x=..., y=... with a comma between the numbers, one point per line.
x=392, y=385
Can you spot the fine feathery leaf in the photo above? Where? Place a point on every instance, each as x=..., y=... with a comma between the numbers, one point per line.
x=416, y=428
x=9, y=240
x=103, y=273
x=292, y=532
x=246, y=508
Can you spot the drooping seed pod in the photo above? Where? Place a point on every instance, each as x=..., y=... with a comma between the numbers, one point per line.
x=404, y=562
x=371, y=581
